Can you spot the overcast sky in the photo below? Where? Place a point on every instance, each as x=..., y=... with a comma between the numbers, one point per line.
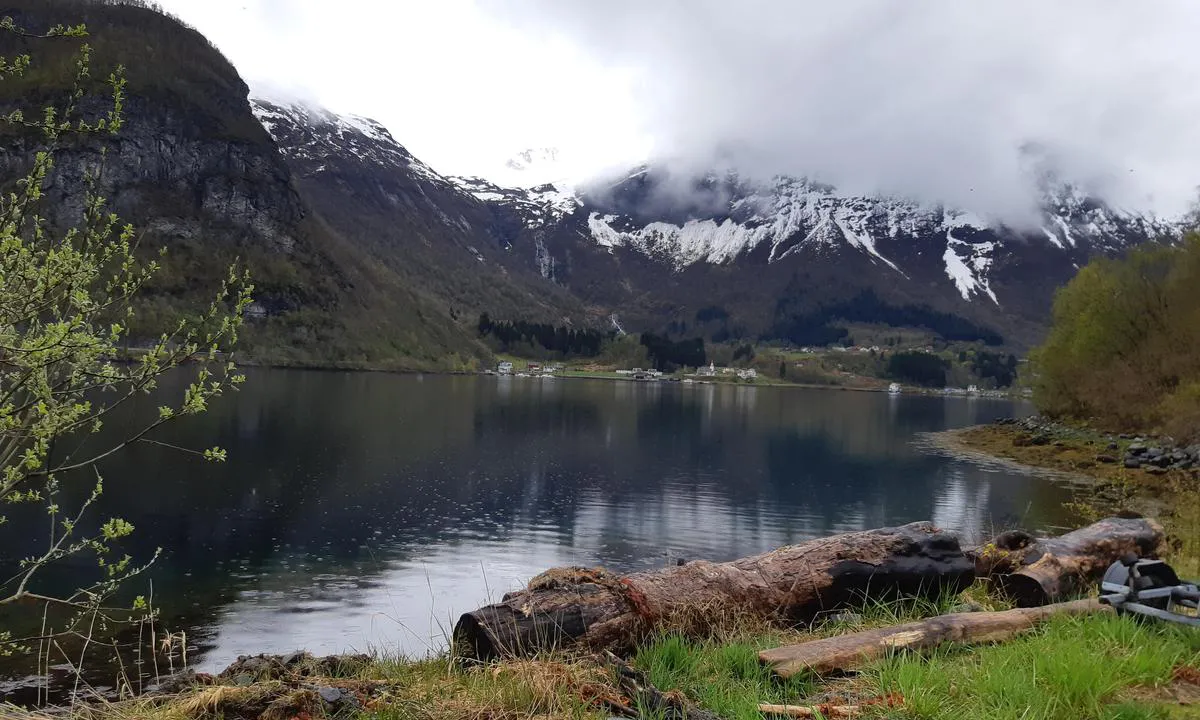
x=962, y=102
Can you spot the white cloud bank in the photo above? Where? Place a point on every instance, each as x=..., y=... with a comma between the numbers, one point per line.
x=933, y=99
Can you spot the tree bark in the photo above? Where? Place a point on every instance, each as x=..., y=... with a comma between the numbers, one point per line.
x=846, y=652
x=1038, y=571
x=596, y=609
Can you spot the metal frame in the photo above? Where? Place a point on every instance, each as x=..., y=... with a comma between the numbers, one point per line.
x=1131, y=595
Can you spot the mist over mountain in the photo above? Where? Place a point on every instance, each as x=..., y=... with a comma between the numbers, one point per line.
x=965, y=104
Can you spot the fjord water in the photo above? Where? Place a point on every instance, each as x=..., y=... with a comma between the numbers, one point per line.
x=362, y=510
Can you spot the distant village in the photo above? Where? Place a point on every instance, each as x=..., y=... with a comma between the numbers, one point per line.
x=536, y=369
x=713, y=373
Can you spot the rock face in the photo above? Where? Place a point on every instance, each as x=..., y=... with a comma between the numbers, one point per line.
x=447, y=243
x=195, y=172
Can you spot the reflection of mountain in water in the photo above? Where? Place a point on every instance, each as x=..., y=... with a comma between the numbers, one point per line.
x=369, y=508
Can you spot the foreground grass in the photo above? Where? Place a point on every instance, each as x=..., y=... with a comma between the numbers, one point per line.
x=1073, y=668
x=436, y=690
x=1095, y=667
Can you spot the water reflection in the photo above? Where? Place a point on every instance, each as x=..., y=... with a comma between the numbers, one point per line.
x=365, y=510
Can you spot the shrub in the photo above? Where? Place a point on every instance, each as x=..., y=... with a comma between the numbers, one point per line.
x=1124, y=346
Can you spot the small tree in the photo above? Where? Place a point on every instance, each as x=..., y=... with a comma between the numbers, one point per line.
x=67, y=297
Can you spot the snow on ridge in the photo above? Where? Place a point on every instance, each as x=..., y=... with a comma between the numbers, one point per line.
x=776, y=215
x=538, y=206
x=325, y=135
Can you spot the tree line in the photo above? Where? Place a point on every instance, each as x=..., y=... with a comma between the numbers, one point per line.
x=800, y=322
x=569, y=341
x=669, y=355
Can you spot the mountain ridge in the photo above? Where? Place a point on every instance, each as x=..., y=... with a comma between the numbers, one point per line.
x=630, y=246
x=366, y=256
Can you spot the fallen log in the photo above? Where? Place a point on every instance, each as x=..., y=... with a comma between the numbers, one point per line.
x=846, y=652
x=596, y=609
x=1038, y=571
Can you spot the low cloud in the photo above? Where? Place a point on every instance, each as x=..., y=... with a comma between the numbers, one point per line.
x=967, y=103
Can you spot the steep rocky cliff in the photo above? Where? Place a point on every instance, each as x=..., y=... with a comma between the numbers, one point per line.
x=416, y=223
x=196, y=173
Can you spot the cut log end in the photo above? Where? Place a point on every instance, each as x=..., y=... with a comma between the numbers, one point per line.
x=1054, y=569
x=1022, y=590
x=472, y=641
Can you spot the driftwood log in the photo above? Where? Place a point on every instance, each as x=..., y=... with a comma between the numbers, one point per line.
x=593, y=608
x=1038, y=571
x=846, y=652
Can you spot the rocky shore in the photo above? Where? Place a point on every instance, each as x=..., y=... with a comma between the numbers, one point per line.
x=1155, y=454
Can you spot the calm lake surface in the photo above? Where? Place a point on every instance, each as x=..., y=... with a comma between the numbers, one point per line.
x=362, y=510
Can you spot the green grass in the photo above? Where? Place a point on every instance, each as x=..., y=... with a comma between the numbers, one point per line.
x=1072, y=668
x=723, y=672
x=726, y=678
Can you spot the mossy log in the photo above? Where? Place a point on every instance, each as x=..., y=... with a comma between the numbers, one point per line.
x=846, y=652
x=598, y=610
x=1038, y=571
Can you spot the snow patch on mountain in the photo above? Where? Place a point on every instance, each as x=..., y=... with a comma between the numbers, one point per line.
x=538, y=206
x=969, y=270
x=787, y=215
x=324, y=134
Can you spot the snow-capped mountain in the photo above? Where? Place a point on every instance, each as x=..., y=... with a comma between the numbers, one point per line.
x=538, y=206
x=655, y=249
x=307, y=133
x=787, y=217
x=447, y=242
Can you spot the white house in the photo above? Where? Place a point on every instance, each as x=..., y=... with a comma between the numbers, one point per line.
x=748, y=374
x=504, y=368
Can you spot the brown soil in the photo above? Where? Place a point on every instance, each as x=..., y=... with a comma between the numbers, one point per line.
x=1178, y=699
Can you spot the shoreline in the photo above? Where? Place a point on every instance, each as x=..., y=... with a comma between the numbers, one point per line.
x=1094, y=463
x=865, y=383
x=957, y=443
